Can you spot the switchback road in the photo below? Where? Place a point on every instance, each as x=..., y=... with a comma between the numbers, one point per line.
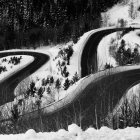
x=96, y=94
x=8, y=84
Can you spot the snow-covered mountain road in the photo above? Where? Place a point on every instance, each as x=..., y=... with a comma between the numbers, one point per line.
x=88, y=61
x=8, y=84
x=93, y=98
x=97, y=92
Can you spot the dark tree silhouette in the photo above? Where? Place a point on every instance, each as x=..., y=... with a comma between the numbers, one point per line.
x=58, y=86
x=48, y=90
x=65, y=73
x=47, y=81
x=69, y=51
x=40, y=92
x=75, y=78
x=32, y=88
x=29, y=23
x=2, y=69
x=125, y=56
x=51, y=80
x=66, y=84
x=108, y=66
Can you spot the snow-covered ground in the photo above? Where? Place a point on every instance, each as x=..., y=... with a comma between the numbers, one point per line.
x=11, y=68
x=53, y=52
x=74, y=132
x=51, y=68
x=128, y=10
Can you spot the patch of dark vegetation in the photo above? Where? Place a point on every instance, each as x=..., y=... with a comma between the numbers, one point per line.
x=2, y=69
x=123, y=54
x=127, y=115
x=15, y=60
x=36, y=23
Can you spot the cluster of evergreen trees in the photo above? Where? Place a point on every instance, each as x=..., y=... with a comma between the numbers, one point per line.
x=15, y=60
x=125, y=56
x=123, y=52
x=49, y=84
x=64, y=56
x=30, y=23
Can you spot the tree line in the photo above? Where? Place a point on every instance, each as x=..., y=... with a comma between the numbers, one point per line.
x=31, y=23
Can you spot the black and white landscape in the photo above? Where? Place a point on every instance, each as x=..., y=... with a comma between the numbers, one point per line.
x=69, y=69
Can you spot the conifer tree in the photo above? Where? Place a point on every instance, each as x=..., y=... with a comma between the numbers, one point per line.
x=43, y=82
x=75, y=77
x=47, y=81
x=69, y=52
x=58, y=86
x=66, y=84
x=32, y=88
x=40, y=92
x=51, y=80
x=48, y=90
x=136, y=56
x=108, y=66
x=65, y=73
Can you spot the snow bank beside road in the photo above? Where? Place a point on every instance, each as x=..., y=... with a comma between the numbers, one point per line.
x=76, y=133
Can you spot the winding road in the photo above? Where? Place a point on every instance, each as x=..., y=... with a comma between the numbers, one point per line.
x=8, y=84
x=98, y=93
